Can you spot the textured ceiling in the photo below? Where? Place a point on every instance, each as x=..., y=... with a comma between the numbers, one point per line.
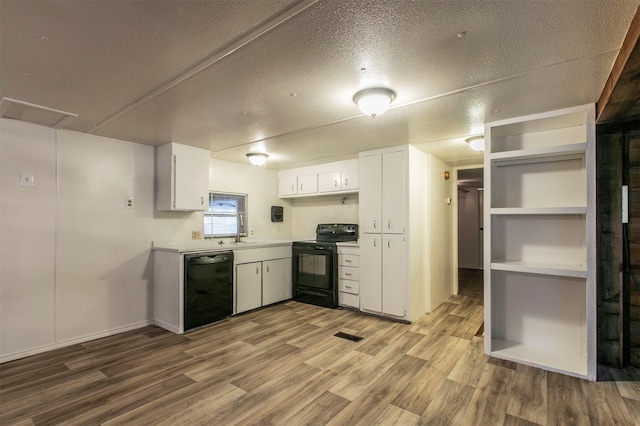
x=240, y=76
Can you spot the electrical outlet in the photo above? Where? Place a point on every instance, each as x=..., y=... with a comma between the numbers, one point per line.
x=196, y=235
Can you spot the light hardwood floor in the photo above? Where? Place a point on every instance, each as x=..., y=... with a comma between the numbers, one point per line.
x=282, y=365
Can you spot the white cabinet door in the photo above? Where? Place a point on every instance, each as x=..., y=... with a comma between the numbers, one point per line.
x=394, y=274
x=349, y=179
x=394, y=189
x=288, y=185
x=371, y=272
x=329, y=181
x=191, y=182
x=308, y=184
x=370, y=194
x=248, y=286
x=276, y=280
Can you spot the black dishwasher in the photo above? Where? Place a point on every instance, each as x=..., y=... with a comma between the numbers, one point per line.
x=208, y=288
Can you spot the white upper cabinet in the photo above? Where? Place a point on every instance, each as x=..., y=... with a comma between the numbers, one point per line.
x=330, y=181
x=383, y=200
x=182, y=178
x=394, y=190
x=371, y=194
x=340, y=177
x=308, y=184
x=288, y=185
x=350, y=179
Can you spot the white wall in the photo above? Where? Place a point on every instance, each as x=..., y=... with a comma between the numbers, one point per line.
x=440, y=231
x=104, y=276
x=261, y=185
x=75, y=263
x=27, y=237
x=307, y=212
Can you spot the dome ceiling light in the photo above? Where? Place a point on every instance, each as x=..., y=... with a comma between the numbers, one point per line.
x=257, y=158
x=476, y=143
x=374, y=101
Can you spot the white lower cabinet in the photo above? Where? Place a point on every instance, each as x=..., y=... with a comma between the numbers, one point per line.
x=349, y=276
x=371, y=272
x=262, y=277
x=249, y=286
x=276, y=280
x=394, y=275
x=383, y=274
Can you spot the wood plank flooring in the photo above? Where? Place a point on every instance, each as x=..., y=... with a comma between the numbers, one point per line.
x=282, y=365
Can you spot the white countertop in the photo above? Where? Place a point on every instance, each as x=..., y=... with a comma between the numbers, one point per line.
x=349, y=244
x=214, y=245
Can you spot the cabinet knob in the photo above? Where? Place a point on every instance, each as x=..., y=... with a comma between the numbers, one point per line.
x=293, y=187
x=300, y=187
x=346, y=182
x=335, y=183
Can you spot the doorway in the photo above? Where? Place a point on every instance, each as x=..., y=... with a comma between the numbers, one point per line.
x=470, y=232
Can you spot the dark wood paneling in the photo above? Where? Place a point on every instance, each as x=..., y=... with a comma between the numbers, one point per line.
x=609, y=246
x=633, y=232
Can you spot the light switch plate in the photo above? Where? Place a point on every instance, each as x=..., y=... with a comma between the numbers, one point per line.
x=26, y=179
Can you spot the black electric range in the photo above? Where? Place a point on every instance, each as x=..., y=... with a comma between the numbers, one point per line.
x=315, y=264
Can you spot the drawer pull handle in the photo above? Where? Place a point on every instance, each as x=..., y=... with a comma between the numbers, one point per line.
x=348, y=286
x=348, y=274
x=347, y=260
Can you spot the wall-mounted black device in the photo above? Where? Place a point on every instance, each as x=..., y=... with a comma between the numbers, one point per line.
x=277, y=214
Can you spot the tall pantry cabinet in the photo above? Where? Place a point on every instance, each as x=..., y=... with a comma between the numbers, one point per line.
x=539, y=228
x=394, y=240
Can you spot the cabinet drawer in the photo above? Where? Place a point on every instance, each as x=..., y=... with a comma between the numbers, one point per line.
x=349, y=260
x=349, y=286
x=346, y=273
x=347, y=299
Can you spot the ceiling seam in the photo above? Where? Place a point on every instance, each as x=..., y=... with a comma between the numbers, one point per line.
x=430, y=98
x=253, y=35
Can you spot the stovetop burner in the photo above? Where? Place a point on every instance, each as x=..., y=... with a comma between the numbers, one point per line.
x=336, y=232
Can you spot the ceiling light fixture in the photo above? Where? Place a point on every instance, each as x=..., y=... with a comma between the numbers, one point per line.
x=476, y=143
x=374, y=101
x=257, y=158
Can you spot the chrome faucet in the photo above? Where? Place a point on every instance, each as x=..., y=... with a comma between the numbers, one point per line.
x=240, y=224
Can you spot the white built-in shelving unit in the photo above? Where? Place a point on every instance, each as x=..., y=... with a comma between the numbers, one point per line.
x=540, y=241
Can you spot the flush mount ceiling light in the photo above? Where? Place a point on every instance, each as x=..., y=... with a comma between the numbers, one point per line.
x=476, y=143
x=374, y=101
x=257, y=158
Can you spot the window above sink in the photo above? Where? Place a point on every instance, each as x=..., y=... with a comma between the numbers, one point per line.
x=226, y=215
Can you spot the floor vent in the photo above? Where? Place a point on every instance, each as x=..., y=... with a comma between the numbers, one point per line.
x=348, y=336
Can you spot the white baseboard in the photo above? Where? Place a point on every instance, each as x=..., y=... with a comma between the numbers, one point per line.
x=68, y=342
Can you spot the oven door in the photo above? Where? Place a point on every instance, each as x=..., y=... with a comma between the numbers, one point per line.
x=314, y=266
